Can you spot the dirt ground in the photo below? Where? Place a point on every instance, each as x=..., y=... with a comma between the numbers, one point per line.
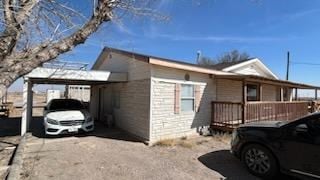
x=7, y=148
x=112, y=154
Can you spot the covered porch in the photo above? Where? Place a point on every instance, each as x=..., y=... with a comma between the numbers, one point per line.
x=253, y=98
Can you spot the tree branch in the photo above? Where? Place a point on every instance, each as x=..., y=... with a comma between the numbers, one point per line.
x=14, y=19
x=24, y=62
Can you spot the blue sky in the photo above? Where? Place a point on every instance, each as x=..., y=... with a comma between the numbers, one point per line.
x=266, y=29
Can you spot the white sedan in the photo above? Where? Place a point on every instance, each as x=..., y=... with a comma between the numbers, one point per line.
x=63, y=116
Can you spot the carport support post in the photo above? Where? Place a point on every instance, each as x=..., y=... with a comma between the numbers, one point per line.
x=27, y=106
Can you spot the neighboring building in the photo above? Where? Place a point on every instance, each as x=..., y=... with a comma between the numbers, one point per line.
x=80, y=92
x=169, y=99
x=53, y=94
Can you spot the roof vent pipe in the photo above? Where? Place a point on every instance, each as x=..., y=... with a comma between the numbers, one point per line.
x=198, y=56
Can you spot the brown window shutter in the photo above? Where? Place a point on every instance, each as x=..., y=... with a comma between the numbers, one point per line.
x=177, y=99
x=197, y=97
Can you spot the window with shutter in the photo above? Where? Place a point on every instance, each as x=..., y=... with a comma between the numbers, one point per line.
x=177, y=99
x=187, y=97
x=197, y=98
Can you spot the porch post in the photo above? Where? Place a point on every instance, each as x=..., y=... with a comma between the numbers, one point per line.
x=290, y=94
x=244, y=101
x=281, y=94
x=26, y=107
x=260, y=92
x=316, y=94
x=296, y=94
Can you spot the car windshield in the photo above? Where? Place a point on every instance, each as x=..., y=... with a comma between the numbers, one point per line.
x=62, y=104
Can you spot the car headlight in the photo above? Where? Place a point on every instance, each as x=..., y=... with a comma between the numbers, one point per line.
x=89, y=119
x=52, y=121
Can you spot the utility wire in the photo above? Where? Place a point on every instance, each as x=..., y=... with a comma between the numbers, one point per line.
x=305, y=63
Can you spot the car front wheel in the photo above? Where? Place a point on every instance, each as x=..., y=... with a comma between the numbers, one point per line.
x=259, y=161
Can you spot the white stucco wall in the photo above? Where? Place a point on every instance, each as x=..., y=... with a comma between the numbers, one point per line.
x=136, y=70
x=164, y=122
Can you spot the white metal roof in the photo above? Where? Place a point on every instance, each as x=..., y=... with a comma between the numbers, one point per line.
x=51, y=75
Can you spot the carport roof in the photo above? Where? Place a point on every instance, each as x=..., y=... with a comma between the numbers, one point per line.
x=43, y=75
x=261, y=79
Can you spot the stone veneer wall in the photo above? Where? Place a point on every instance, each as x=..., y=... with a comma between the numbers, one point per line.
x=166, y=124
x=133, y=114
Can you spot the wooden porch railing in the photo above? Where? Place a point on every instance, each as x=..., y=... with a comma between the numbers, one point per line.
x=228, y=115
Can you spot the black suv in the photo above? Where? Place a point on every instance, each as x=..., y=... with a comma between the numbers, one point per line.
x=267, y=148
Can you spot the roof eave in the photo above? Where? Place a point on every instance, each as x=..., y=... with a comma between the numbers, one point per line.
x=267, y=81
x=186, y=67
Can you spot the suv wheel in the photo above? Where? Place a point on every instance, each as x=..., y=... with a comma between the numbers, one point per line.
x=259, y=161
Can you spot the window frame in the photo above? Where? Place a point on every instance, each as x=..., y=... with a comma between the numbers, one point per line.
x=193, y=97
x=257, y=98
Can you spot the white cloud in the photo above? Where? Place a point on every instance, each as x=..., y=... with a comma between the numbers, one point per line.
x=122, y=28
x=301, y=14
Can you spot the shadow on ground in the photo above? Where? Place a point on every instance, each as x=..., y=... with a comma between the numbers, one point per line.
x=225, y=164
x=10, y=126
x=229, y=166
x=37, y=130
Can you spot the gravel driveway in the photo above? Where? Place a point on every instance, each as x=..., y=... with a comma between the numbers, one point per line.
x=112, y=154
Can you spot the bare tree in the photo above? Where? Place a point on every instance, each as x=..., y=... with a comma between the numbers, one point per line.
x=33, y=32
x=206, y=61
x=232, y=56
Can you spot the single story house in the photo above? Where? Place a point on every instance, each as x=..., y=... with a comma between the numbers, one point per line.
x=164, y=98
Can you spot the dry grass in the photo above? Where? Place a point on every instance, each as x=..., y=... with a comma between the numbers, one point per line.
x=187, y=144
x=166, y=142
x=184, y=138
x=223, y=137
x=183, y=142
x=202, y=141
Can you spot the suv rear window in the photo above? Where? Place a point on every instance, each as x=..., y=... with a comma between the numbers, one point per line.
x=61, y=104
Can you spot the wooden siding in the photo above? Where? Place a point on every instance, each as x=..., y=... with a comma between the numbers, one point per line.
x=228, y=90
x=269, y=92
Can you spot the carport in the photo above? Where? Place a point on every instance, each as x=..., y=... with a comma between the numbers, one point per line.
x=43, y=75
